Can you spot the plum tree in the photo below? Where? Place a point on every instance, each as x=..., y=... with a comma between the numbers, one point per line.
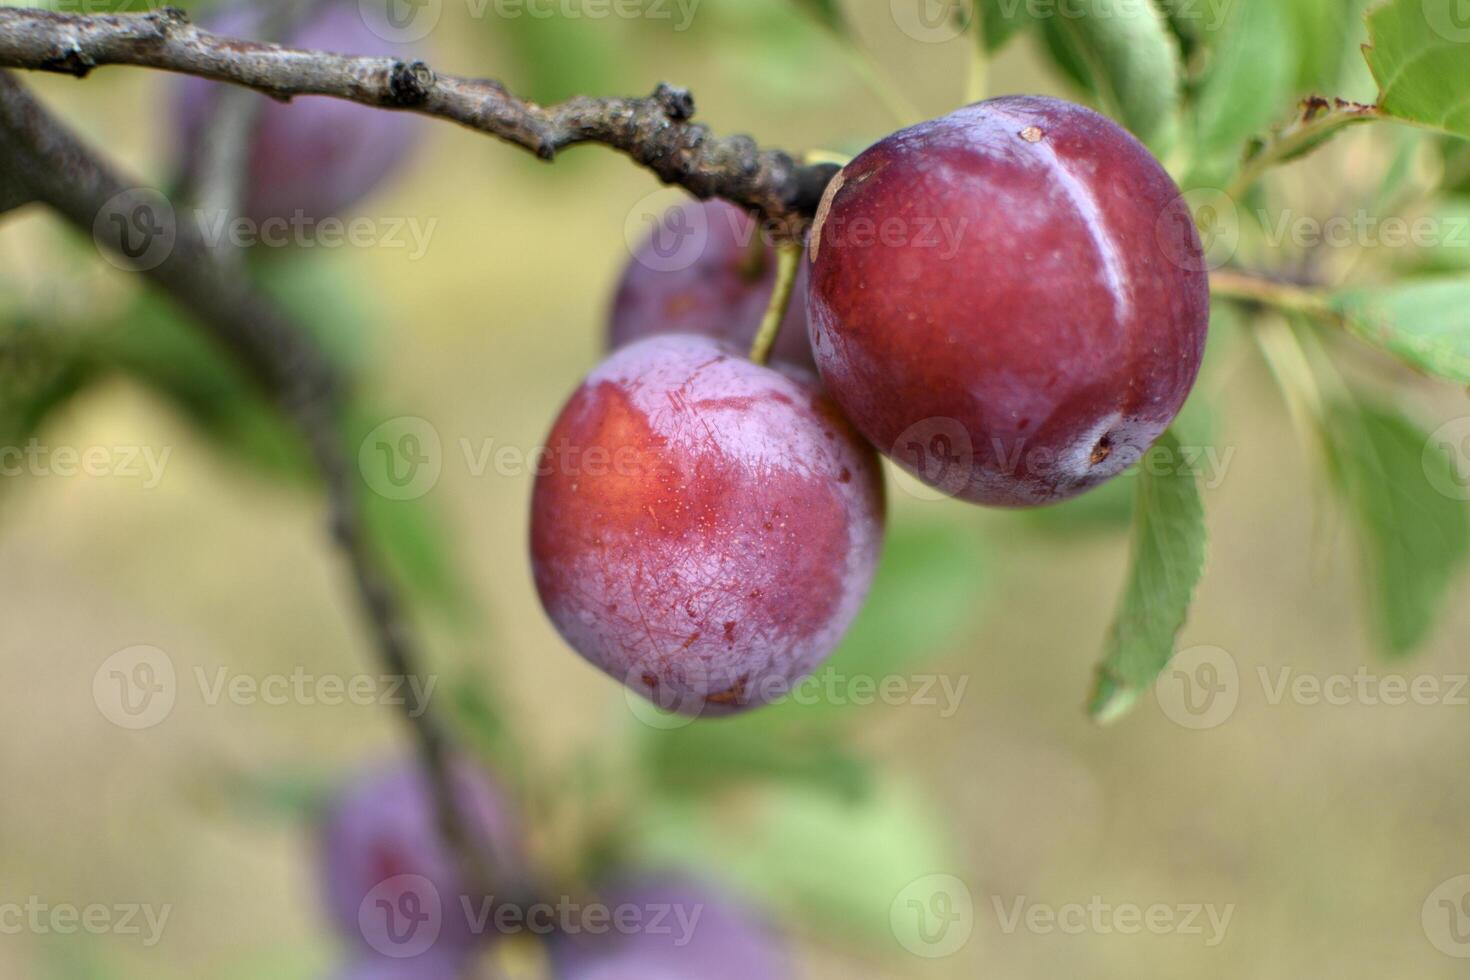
x=388, y=878
x=705, y=269
x=1010, y=301
x=313, y=157
x=701, y=934
x=703, y=528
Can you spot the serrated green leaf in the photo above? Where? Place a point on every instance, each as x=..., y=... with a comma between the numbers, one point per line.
x=1425, y=323
x=1167, y=561
x=1419, y=53
x=1124, y=52
x=1329, y=34
x=1250, y=81
x=1414, y=537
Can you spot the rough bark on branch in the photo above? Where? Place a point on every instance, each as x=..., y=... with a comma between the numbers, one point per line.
x=655, y=131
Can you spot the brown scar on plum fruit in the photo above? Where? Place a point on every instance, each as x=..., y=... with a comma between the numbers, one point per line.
x=735, y=694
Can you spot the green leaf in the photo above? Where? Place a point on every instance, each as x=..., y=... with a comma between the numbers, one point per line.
x=154, y=345
x=1447, y=248
x=1329, y=35
x=38, y=374
x=1167, y=561
x=1419, y=53
x=827, y=12
x=703, y=758
x=1414, y=535
x=557, y=57
x=1123, y=51
x=1425, y=323
x=1000, y=20
x=928, y=584
x=1250, y=81
x=836, y=861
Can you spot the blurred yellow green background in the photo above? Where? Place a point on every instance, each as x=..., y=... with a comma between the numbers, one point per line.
x=1323, y=828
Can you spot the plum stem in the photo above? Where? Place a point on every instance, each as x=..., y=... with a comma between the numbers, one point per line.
x=753, y=263
x=1318, y=120
x=788, y=263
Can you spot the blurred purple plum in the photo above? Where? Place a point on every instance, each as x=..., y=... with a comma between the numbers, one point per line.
x=313, y=157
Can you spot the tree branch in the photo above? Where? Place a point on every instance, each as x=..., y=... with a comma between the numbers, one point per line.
x=13, y=191
x=67, y=175
x=654, y=131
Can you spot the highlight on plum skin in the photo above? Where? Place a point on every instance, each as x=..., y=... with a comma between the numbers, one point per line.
x=704, y=528
x=313, y=157
x=1010, y=301
x=687, y=930
x=705, y=269
x=390, y=883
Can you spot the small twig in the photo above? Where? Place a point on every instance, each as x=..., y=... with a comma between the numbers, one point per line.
x=788, y=262
x=655, y=131
x=1318, y=120
x=1285, y=296
x=72, y=179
